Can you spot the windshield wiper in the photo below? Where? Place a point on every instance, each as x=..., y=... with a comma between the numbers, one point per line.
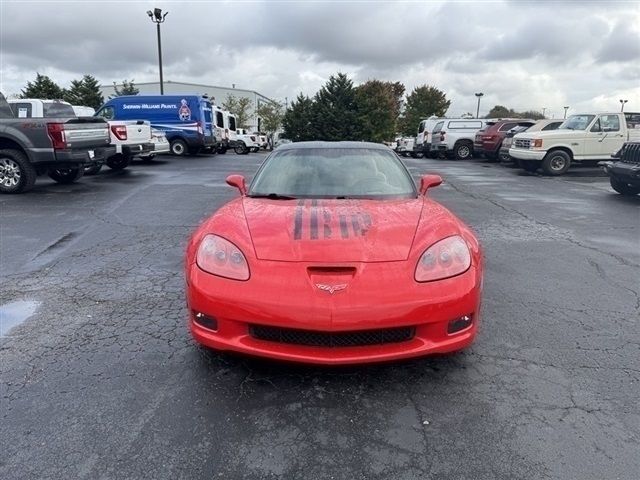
x=273, y=196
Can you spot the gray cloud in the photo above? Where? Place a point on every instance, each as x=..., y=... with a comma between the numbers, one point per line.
x=621, y=45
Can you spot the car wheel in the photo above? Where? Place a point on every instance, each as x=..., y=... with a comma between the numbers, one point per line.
x=556, y=163
x=66, y=175
x=623, y=188
x=93, y=170
x=463, y=150
x=119, y=161
x=178, y=147
x=504, y=157
x=529, y=165
x=241, y=149
x=17, y=174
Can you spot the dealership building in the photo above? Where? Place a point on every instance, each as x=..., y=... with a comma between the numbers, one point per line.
x=217, y=94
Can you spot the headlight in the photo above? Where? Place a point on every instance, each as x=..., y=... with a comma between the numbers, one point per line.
x=447, y=258
x=536, y=143
x=221, y=257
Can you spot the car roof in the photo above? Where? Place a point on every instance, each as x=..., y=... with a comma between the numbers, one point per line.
x=323, y=144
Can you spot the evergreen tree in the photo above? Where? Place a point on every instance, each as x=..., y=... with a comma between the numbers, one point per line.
x=378, y=105
x=85, y=92
x=424, y=101
x=240, y=107
x=43, y=88
x=298, y=118
x=128, y=88
x=334, y=110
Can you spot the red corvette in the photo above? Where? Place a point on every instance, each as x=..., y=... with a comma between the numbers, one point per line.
x=332, y=256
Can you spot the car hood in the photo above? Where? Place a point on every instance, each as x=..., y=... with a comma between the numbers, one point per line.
x=552, y=134
x=332, y=230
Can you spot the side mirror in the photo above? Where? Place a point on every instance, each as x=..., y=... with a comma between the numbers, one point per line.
x=238, y=182
x=428, y=181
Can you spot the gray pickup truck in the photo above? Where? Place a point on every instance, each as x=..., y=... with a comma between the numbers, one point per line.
x=59, y=147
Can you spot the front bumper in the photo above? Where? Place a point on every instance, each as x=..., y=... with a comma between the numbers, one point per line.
x=522, y=154
x=623, y=172
x=271, y=297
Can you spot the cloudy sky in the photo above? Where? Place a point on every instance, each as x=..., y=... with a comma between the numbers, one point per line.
x=524, y=55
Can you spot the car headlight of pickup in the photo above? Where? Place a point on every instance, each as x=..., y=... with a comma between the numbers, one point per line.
x=536, y=143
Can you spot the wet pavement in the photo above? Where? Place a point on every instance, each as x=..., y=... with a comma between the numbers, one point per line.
x=100, y=379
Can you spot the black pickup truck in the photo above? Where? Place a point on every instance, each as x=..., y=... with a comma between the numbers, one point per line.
x=59, y=147
x=624, y=169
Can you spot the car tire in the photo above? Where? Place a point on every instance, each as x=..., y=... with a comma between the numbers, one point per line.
x=93, y=170
x=17, y=174
x=463, y=150
x=623, y=188
x=119, y=161
x=66, y=176
x=241, y=149
x=178, y=147
x=556, y=163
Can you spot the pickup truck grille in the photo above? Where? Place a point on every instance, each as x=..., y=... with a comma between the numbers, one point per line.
x=631, y=153
x=522, y=143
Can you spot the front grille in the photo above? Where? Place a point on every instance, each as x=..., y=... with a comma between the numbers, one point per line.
x=631, y=153
x=522, y=143
x=332, y=339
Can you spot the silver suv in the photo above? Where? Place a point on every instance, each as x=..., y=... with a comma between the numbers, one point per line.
x=454, y=137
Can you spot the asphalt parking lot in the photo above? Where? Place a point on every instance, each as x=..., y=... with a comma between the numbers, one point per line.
x=101, y=380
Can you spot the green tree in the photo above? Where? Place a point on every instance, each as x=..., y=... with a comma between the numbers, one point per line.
x=297, y=121
x=334, y=110
x=43, y=88
x=424, y=101
x=532, y=114
x=271, y=114
x=85, y=92
x=240, y=107
x=128, y=88
x=500, y=111
x=378, y=106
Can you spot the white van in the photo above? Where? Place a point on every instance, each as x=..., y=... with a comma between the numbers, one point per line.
x=423, y=138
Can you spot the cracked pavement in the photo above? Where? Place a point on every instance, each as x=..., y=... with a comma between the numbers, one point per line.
x=103, y=381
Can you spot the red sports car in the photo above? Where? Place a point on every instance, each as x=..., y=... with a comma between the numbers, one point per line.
x=332, y=256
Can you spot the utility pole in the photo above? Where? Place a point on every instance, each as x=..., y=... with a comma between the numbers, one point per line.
x=479, y=95
x=158, y=17
x=622, y=102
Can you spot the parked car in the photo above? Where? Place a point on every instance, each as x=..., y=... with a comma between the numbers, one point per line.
x=60, y=146
x=624, y=170
x=333, y=256
x=453, y=137
x=582, y=138
x=539, y=126
x=488, y=140
x=186, y=120
x=160, y=143
x=405, y=147
x=246, y=142
x=423, y=138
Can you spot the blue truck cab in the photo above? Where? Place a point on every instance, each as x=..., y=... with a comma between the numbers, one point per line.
x=186, y=120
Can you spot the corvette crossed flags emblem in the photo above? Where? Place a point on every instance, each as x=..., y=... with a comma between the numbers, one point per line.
x=331, y=288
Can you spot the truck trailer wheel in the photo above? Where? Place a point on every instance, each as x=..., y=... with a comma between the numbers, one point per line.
x=556, y=162
x=119, y=161
x=17, y=175
x=178, y=147
x=66, y=175
x=623, y=188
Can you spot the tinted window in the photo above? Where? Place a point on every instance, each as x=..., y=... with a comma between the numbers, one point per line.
x=106, y=113
x=22, y=109
x=334, y=172
x=219, y=119
x=596, y=126
x=57, y=109
x=507, y=126
x=633, y=120
x=5, y=108
x=552, y=126
x=421, y=127
x=438, y=127
x=610, y=123
x=232, y=122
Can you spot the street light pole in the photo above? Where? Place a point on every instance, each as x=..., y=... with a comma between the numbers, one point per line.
x=565, y=111
x=622, y=102
x=478, y=109
x=543, y=109
x=158, y=17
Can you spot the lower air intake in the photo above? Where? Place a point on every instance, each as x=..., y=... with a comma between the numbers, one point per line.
x=333, y=339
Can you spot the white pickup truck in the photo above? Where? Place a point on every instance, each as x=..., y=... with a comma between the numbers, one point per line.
x=130, y=137
x=582, y=138
x=247, y=142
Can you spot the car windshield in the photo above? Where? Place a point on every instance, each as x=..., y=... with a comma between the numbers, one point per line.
x=333, y=173
x=57, y=109
x=578, y=122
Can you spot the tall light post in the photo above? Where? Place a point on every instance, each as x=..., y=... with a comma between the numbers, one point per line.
x=479, y=95
x=543, y=110
x=158, y=17
x=622, y=102
x=565, y=111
